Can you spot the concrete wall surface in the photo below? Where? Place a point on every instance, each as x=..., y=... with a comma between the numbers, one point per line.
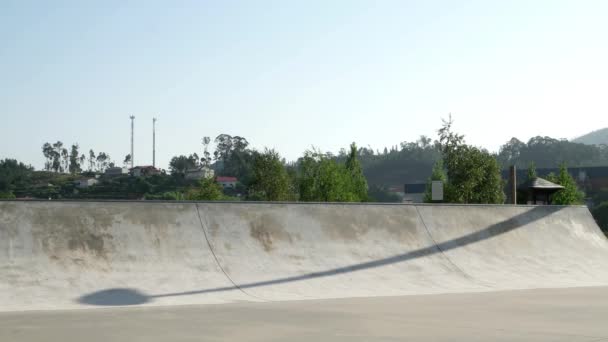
x=66, y=255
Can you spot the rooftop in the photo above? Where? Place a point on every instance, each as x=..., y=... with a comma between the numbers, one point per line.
x=143, y=167
x=540, y=183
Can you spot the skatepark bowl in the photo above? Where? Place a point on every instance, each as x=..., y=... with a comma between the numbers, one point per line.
x=65, y=255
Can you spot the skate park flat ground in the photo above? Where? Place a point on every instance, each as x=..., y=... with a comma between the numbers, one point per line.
x=567, y=314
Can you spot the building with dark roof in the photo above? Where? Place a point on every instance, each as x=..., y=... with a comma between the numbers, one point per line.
x=539, y=190
x=591, y=180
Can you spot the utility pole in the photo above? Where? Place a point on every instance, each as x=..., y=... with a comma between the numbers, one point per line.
x=132, y=151
x=154, y=142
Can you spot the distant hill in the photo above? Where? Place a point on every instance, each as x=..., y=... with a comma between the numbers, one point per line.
x=598, y=137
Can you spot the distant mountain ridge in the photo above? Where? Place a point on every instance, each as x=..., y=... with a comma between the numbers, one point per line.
x=598, y=137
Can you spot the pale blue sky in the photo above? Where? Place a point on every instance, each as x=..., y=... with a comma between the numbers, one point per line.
x=288, y=75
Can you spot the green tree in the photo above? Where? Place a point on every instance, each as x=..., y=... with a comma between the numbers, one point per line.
x=207, y=190
x=82, y=160
x=13, y=177
x=127, y=161
x=74, y=166
x=180, y=164
x=47, y=151
x=239, y=144
x=473, y=174
x=292, y=174
x=570, y=194
x=56, y=156
x=234, y=158
x=92, y=160
x=532, y=171
x=438, y=174
x=65, y=157
x=240, y=165
x=323, y=179
x=103, y=159
x=224, y=147
x=206, y=159
x=270, y=178
x=357, y=179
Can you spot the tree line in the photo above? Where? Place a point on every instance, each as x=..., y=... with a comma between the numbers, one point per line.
x=61, y=160
x=546, y=152
x=266, y=176
x=471, y=174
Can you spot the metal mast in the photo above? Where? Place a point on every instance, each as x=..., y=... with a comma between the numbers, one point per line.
x=154, y=142
x=132, y=151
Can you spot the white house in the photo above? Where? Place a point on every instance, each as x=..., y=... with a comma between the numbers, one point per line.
x=85, y=182
x=198, y=173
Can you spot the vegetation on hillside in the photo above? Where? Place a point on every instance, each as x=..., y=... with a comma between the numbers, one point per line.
x=598, y=137
x=409, y=162
x=471, y=174
x=546, y=152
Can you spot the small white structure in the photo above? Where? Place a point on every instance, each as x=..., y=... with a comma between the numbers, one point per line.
x=227, y=182
x=85, y=183
x=437, y=191
x=199, y=173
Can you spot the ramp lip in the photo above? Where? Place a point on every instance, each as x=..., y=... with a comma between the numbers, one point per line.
x=290, y=203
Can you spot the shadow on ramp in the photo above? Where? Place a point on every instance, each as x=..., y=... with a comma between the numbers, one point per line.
x=115, y=297
x=134, y=297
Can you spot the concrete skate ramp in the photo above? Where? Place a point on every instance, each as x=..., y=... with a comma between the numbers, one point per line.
x=118, y=253
x=61, y=255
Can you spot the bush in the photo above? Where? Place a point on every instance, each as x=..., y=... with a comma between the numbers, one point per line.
x=270, y=179
x=6, y=195
x=323, y=179
x=208, y=190
x=166, y=196
x=570, y=194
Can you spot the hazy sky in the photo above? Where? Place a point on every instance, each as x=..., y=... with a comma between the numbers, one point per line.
x=291, y=74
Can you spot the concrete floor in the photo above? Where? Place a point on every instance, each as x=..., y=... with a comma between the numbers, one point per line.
x=575, y=314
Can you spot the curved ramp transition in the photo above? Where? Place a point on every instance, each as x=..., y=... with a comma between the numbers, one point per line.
x=64, y=255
